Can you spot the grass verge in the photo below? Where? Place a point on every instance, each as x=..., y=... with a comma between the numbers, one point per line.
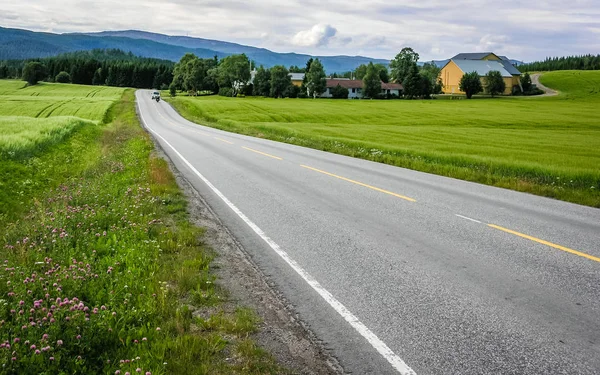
x=545, y=146
x=103, y=273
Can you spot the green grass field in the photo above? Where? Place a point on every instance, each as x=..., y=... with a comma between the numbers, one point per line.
x=35, y=117
x=50, y=100
x=548, y=146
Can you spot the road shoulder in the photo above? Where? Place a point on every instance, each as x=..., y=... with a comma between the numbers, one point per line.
x=280, y=331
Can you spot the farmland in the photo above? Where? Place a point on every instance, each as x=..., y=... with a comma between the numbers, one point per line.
x=35, y=117
x=103, y=272
x=548, y=146
x=51, y=100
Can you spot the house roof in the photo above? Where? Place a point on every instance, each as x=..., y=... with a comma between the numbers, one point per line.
x=482, y=67
x=346, y=83
x=391, y=86
x=472, y=56
x=510, y=67
x=297, y=76
x=358, y=84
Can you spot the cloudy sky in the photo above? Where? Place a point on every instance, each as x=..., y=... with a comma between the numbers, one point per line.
x=436, y=29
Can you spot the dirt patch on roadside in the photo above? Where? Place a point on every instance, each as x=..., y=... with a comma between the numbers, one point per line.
x=280, y=332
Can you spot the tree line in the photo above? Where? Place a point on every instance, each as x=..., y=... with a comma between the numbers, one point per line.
x=98, y=67
x=583, y=62
x=231, y=76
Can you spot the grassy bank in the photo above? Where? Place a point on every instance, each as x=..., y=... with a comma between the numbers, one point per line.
x=546, y=146
x=102, y=271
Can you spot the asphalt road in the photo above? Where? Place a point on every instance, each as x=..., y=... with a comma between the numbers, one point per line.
x=400, y=271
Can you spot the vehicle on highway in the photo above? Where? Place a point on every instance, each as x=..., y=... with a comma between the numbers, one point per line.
x=156, y=95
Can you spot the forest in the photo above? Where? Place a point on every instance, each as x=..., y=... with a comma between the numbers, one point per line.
x=583, y=62
x=111, y=67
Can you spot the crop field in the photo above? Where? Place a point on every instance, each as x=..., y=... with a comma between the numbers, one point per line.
x=548, y=146
x=34, y=117
x=49, y=100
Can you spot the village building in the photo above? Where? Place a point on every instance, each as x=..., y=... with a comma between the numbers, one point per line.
x=482, y=63
x=355, y=88
x=297, y=78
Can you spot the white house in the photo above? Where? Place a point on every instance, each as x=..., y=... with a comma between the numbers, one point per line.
x=355, y=87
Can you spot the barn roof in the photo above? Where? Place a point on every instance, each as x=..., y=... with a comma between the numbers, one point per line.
x=482, y=67
x=510, y=67
x=472, y=56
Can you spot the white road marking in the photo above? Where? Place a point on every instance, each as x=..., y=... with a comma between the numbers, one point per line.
x=396, y=362
x=468, y=218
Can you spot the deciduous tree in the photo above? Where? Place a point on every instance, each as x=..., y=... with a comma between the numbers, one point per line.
x=234, y=72
x=494, y=83
x=402, y=64
x=262, y=82
x=280, y=81
x=470, y=84
x=316, y=81
x=33, y=72
x=371, y=82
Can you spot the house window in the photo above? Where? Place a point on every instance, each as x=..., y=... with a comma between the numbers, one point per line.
x=354, y=91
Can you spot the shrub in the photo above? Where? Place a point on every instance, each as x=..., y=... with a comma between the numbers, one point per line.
x=33, y=72
x=526, y=82
x=340, y=92
x=292, y=91
x=63, y=77
x=226, y=91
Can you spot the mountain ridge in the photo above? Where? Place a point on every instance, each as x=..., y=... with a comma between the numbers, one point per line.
x=25, y=44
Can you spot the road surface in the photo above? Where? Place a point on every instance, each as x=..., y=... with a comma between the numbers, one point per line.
x=535, y=79
x=399, y=271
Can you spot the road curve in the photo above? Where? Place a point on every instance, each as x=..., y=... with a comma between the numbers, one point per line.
x=535, y=79
x=399, y=271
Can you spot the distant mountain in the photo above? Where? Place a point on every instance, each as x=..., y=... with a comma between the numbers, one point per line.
x=24, y=44
x=262, y=56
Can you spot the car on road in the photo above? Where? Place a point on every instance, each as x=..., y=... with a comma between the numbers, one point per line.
x=156, y=95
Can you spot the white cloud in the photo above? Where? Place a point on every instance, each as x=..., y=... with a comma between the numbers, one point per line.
x=436, y=29
x=317, y=36
x=490, y=43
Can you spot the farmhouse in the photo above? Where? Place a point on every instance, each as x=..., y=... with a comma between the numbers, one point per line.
x=297, y=78
x=355, y=86
x=482, y=63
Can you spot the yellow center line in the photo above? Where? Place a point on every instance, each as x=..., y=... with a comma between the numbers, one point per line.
x=223, y=140
x=262, y=153
x=360, y=183
x=559, y=247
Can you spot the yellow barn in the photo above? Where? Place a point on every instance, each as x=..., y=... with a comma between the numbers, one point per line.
x=482, y=63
